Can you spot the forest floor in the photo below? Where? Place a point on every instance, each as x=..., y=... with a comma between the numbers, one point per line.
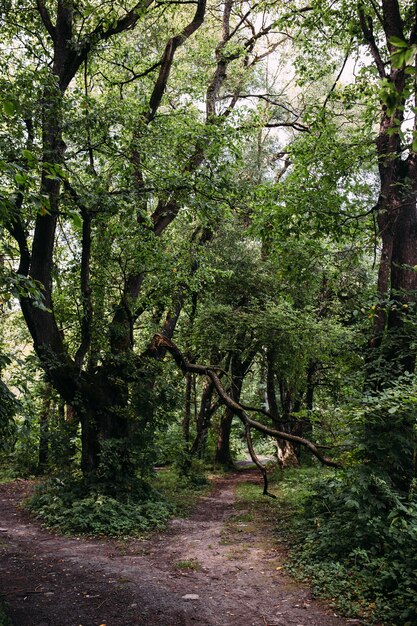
x=207, y=570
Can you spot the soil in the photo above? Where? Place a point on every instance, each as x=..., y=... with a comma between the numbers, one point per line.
x=232, y=575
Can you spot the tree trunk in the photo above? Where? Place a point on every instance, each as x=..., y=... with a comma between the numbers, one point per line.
x=223, y=454
x=90, y=445
x=186, y=422
x=286, y=450
x=203, y=419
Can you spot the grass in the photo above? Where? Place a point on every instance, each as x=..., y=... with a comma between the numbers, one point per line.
x=282, y=514
x=6, y=476
x=192, y=565
x=243, y=517
x=180, y=492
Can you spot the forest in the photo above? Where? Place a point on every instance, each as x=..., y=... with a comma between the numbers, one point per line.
x=208, y=257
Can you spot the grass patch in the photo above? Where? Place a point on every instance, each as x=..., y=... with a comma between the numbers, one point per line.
x=7, y=476
x=242, y=517
x=181, y=492
x=191, y=565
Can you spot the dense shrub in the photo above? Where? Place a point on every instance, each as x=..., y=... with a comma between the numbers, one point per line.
x=76, y=508
x=357, y=542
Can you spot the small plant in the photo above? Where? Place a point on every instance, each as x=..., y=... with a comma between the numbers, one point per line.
x=191, y=565
x=242, y=517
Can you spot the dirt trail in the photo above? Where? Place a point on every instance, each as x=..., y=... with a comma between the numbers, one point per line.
x=48, y=580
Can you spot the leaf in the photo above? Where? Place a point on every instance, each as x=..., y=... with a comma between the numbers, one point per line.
x=409, y=56
x=76, y=219
x=9, y=107
x=398, y=59
x=20, y=179
x=397, y=42
x=28, y=155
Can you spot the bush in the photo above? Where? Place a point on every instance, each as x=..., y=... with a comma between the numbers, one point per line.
x=357, y=542
x=4, y=619
x=74, y=507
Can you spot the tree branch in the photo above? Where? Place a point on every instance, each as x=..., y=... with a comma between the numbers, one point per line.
x=368, y=33
x=126, y=22
x=236, y=408
x=168, y=57
x=46, y=19
x=257, y=462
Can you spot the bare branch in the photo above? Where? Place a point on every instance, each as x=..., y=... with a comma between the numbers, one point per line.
x=257, y=462
x=333, y=87
x=135, y=75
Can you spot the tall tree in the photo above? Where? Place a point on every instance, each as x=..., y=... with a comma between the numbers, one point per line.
x=94, y=193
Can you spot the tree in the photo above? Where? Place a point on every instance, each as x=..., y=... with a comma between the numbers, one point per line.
x=77, y=221
x=382, y=35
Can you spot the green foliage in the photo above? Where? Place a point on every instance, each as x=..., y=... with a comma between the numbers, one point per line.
x=8, y=408
x=388, y=438
x=356, y=542
x=189, y=566
x=74, y=507
x=4, y=619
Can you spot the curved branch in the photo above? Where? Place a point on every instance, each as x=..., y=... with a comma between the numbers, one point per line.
x=257, y=462
x=168, y=57
x=161, y=341
x=124, y=23
x=368, y=33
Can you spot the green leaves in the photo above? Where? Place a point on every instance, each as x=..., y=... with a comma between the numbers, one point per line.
x=398, y=43
x=357, y=541
x=9, y=107
x=404, y=53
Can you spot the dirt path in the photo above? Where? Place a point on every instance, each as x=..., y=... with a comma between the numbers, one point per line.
x=48, y=580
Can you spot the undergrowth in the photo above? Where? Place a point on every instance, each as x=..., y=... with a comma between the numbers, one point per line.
x=72, y=506
x=4, y=619
x=353, y=538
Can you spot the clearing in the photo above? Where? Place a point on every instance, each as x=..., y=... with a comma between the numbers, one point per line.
x=232, y=575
